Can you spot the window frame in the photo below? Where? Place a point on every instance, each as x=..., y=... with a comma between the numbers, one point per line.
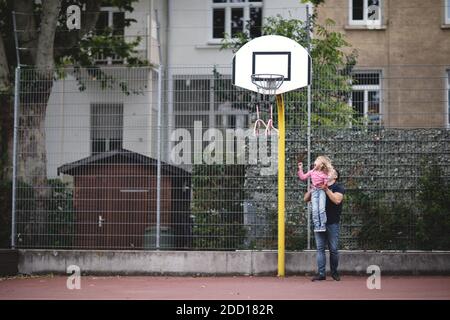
x=91, y=126
x=211, y=112
x=217, y=119
x=228, y=6
x=364, y=21
x=366, y=88
x=447, y=12
x=109, y=60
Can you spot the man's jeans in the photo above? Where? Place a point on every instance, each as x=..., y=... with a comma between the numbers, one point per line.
x=318, y=200
x=330, y=238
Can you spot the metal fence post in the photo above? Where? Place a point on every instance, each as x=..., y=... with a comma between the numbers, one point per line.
x=158, y=180
x=309, y=126
x=16, y=122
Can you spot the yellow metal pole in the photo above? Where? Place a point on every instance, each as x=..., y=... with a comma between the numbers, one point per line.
x=281, y=172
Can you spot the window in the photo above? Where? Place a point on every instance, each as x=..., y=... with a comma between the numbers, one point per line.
x=366, y=93
x=106, y=127
x=234, y=16
x=213, y=102
x=447, y=11
x=110, y=20
x=208, y=100
x=365, y=12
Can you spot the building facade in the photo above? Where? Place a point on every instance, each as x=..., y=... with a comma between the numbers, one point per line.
x=402, y=72
x=185, y=38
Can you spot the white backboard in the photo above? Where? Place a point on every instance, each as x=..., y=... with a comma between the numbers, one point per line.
x=272, y=55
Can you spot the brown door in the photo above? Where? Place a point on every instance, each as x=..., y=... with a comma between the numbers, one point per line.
x=127, y=210
x=90, y=215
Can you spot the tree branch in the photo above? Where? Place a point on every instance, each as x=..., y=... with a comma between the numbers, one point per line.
x=4, y=69
x=65, y=41
x=50, y=14
x=26, y=29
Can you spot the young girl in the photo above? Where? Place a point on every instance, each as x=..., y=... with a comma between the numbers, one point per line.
x=319, y=176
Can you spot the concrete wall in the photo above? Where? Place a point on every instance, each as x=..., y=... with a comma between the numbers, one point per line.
x=224, y=263
x=8, y=262
x=412, y=50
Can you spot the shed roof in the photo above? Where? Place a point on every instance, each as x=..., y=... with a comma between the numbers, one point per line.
x=119, y=156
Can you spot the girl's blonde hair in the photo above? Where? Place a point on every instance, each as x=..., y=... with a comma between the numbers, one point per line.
x=326, y=165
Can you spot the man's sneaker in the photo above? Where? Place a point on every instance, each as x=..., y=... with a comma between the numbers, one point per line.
x=320, y=230
x=336, y=276
x=318, y=278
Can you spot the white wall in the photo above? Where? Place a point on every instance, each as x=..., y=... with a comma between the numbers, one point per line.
x=68, y=120
x=67, y=125
x=190, y=34
x=140, y=14
x=190, y=30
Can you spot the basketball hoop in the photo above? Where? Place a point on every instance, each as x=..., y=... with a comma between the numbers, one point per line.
x=272, y=65
x=266, y=84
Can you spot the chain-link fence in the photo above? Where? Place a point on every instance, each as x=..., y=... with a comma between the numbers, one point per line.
x=144, y=158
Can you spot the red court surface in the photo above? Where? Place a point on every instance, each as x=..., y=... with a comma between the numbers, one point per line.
x=224, y=288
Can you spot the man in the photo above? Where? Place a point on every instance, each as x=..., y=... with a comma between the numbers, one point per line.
x=335, y=195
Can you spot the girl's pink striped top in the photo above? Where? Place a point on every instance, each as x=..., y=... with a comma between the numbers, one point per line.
x=318, y=178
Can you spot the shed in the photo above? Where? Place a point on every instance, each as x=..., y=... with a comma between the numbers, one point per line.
x=114, y=202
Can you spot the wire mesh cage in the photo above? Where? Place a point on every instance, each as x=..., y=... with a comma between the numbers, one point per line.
x=94, y=146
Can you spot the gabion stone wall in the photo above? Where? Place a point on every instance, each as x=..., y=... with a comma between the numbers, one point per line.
x=384, y=165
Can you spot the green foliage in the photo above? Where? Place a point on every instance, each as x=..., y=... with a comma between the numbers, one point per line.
x=296, y=233
x=331, y=71
x=59, y=218
x=434, y=203
x=80, y=48
x=217, y=197
x=101, y=43
x=402, y=221
x=104, y=44
x=385, y=224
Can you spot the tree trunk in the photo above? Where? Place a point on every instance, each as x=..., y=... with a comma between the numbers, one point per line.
x=46, y=39
x=6, y=136
x=6, y=117
x=35, y=91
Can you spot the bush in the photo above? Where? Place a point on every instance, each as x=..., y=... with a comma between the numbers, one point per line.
x=418, y=222
x=433, y=228
x=384, y=224
x=58, y=221
x=217, y=206
x=60, y=215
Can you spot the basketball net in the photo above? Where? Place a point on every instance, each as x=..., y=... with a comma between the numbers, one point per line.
x=267, y=84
